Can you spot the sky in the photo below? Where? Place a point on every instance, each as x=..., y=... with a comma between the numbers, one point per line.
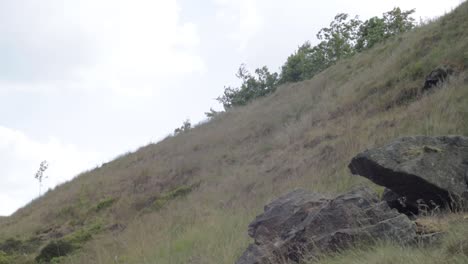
x=82, y=82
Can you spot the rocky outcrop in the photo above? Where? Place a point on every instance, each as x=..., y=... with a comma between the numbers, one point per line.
x=423, y=173
x=437, y=76
x=419, y=173
x=304, y=224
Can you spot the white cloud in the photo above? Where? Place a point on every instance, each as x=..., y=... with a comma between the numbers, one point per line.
x=126, y=47
x=20, y=156
x=145, y=44
x=243, y=17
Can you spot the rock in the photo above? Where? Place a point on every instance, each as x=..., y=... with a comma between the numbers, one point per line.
x=305, y=225
x=398, y=202
x=425, y=172
x=437, y=76
x=286, y=211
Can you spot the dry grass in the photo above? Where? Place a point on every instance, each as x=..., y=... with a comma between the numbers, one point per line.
x=453, y=248
x=301, y=136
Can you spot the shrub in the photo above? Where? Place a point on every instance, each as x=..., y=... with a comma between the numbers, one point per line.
x=212, y=113
x=66, y=245
x=11, y=245
x=54, y=249
x=5, y=258
x=105, y=203
x=16, y=246
x=186, y=126
x=181, y=191
x=83, y=235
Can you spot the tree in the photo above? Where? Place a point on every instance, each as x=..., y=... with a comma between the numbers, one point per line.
x=40, y=174
x=252, y=87
x=338, y=40
x=371, y=32
x=343, y=38
x=186, y=126
x=375, y=30
x=297, y=65
x=397, y=21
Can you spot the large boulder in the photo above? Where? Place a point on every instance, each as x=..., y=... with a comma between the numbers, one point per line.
x=422, y=172
x=306, y=225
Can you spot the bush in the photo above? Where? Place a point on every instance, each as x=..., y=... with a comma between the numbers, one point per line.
x=83, y=235
x=212, y=113
x=5, y=258
x=105, y=203
x=16, y=246
x=186, y=126
x=181, y=191
x=66, y=245
x=11, y=245
x=54, y=249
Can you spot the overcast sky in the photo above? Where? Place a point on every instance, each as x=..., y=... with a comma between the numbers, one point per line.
x=84, y=81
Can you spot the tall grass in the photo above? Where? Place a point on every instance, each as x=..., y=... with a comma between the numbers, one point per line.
x=453, y=249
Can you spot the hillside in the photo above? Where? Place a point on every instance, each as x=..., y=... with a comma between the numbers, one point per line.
x=189, y=198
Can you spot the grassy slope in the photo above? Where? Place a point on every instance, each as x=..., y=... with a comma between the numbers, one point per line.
x=301, y=136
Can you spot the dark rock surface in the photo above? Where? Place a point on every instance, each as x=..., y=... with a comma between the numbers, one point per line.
x=398, y=202
x=284, y=212
x=425, y=172
x=437, y=76
x=303, y=224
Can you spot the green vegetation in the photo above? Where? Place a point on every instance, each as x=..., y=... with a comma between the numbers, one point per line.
x=11, y=245
x=186, y=126
x=54, y=249
x=14, y=250
x=342, y=39
x=337, y=42
x=84, y=234
x=253, y=86
x=5, y=259
x=212, y=113
x=39, y=176
x=178, y=192
x=376, y=29
x=104, y=203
